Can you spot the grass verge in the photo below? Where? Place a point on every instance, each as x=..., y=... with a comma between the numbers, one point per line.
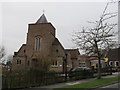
x=91, y=84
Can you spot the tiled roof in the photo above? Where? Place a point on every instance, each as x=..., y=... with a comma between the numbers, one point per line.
x=42, y=19
x=56, y=42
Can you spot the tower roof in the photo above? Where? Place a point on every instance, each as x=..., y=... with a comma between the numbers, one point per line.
x=42, y=19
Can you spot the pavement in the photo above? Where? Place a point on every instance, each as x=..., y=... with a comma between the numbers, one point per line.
x=58, y=85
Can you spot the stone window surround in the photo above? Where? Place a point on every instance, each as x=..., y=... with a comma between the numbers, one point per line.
x=55, y=63
x=116, y=63
x=82, y=64
x=111, y=63
x=37, y=43
x=18, y=61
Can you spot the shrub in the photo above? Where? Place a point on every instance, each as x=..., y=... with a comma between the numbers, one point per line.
x=81, y=74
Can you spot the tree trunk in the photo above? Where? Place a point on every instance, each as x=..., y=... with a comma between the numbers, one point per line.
x=99, y=67
x=99, y=60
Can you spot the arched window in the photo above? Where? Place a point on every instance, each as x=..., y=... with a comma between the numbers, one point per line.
x=37, y=43
x=110, y=63
x=117, y=64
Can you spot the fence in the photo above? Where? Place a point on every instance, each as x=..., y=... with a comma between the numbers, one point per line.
x=34, y=78
x=30, y=79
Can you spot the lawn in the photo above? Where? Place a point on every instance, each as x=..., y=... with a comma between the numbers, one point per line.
x=91, y=84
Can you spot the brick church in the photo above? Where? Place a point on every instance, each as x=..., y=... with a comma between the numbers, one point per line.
x=41, y=41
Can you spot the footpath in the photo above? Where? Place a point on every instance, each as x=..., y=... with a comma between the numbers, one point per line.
x=58, y=85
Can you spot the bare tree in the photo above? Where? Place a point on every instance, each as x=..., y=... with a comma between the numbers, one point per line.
x=100, y=37
x=43, y=62
x=2, y=53
x=9, y=60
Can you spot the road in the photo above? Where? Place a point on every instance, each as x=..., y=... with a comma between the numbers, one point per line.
x=115, y=86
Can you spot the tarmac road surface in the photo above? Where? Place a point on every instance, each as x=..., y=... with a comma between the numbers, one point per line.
x=115, y=86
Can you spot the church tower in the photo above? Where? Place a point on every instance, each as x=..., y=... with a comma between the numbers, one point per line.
x=39, y=39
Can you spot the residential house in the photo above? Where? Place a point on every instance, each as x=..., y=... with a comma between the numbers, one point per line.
x=84, y=61
x=114, y=58
x=94, y=62
x=74, y=56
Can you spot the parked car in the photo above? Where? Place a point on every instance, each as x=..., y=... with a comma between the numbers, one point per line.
x=80, y=71
x=114, y=69
x=95, y=70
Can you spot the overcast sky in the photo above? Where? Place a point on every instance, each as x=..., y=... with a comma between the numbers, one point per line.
x=66, y=17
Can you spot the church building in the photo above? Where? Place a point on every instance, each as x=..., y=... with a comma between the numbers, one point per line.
x=42, y=42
